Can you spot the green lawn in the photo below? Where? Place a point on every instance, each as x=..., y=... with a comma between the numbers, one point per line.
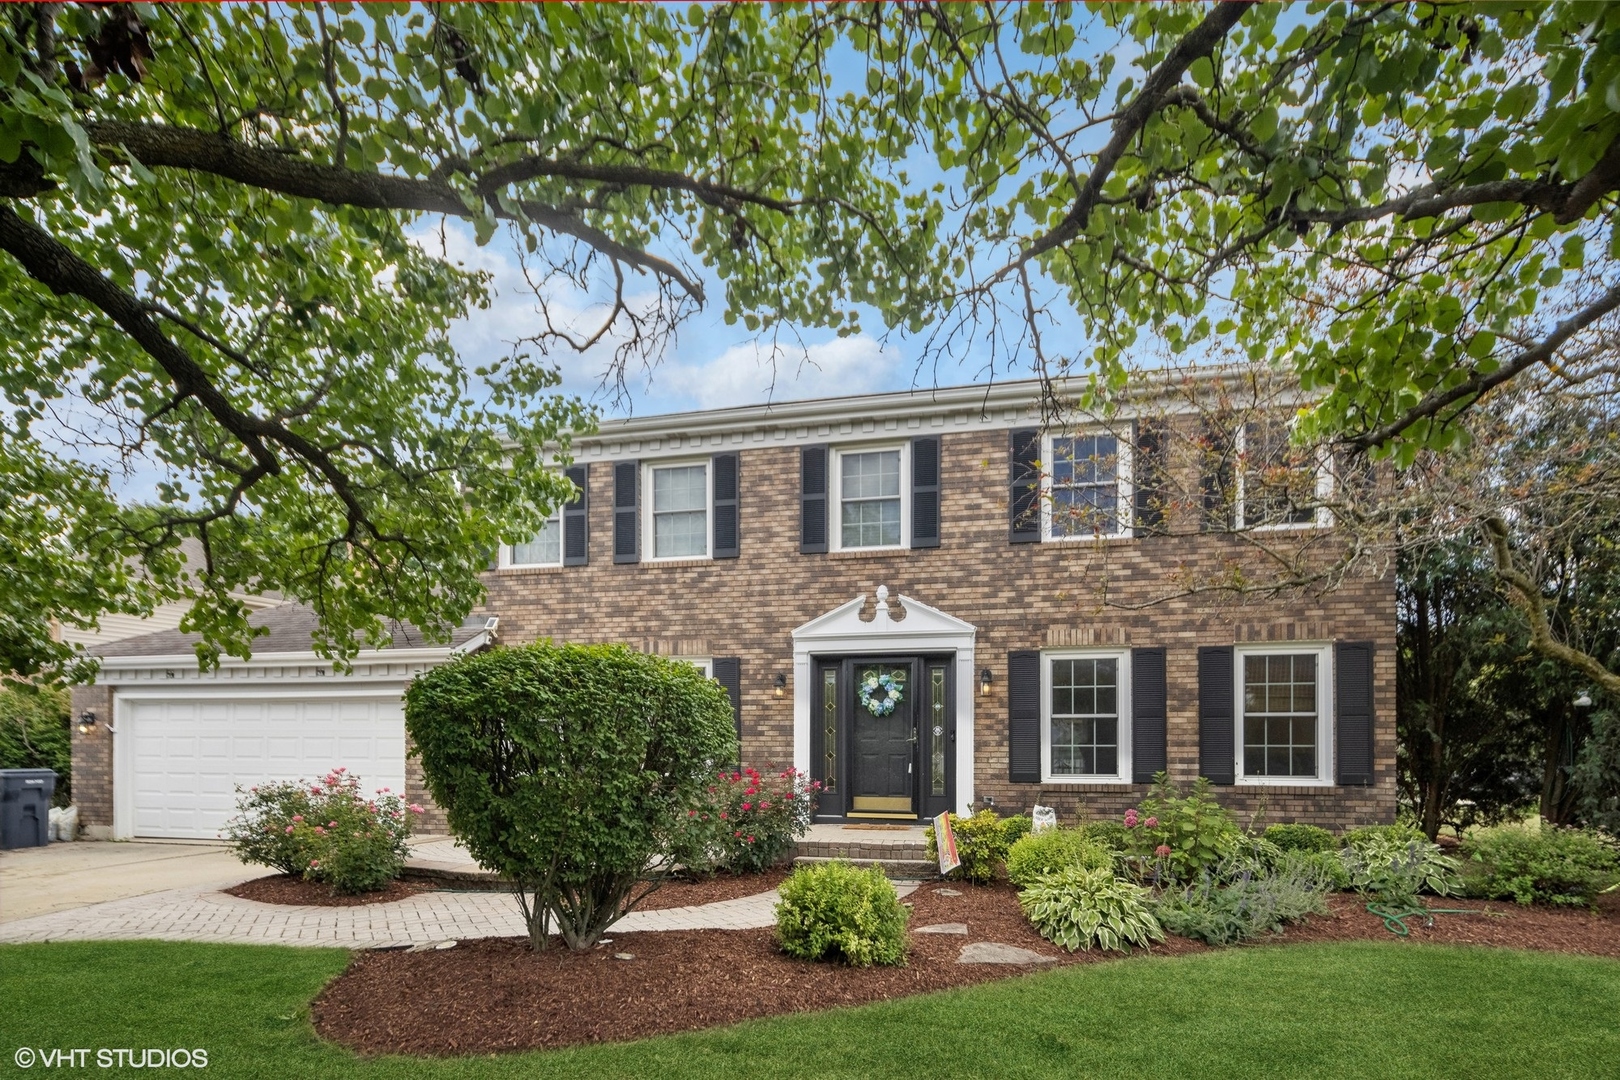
x=1359, y=1010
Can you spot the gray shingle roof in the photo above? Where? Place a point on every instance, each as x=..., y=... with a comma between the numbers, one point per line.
x=291, y=628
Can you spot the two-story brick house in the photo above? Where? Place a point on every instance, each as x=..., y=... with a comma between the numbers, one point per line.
x=901, y=598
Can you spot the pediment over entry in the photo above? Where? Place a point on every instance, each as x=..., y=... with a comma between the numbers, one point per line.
x=844, y=623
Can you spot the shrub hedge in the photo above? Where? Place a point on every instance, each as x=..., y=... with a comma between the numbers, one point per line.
x=1039, y=854
x=1545, y=865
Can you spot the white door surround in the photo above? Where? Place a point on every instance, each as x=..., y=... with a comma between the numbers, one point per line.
x=922, y=629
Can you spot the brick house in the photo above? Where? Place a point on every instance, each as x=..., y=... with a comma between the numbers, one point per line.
x=901, y=592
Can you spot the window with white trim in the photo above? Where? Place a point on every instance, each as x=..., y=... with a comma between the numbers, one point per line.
x=704, y=664
x=544, y=549
x=1284, y=714
x=872, y=510
x=1086, y=484
x=678, y=510
x=1280, y=485
x=1085, y=723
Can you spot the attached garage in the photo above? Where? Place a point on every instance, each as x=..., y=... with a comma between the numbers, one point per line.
x=182, y=740
x=189, y=753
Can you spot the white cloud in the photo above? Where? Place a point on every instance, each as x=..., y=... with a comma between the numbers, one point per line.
x=753, y=373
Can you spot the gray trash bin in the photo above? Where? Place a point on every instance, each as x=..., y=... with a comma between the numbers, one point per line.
x=25, y=807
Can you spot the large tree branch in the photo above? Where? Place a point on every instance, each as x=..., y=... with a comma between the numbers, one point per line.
x=57, y=267
x=1437, y=401
x=1527, y=597
x=1200, y=42
x=162, y=146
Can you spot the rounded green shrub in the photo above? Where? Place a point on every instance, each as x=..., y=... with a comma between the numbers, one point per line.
x=982, y=842
x=1110, y=834
x=1077, y=909
x=1548, y=865
x=836, y=911
x=1039, y=854
x=576, y=772
x=1301, y=837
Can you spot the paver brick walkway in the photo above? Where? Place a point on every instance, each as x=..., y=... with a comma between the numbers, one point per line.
x=206, y=915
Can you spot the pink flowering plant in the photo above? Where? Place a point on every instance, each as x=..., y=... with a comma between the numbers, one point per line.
x=756, y=817
x=1175, y=837
x=329, y=831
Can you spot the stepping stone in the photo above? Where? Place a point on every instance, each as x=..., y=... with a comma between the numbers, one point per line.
x=946, y=892
x=943, y=928
x=994, y=952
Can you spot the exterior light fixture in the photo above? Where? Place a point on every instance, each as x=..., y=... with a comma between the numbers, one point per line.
x=985, y=678
x=781, y=684
x=87, y=720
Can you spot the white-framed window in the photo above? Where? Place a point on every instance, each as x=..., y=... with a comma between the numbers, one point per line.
x=1085, y=486
x=869, y=491
x=677, y=521
x=704, y=664
x=1086, y=716
x=1279, y=485
x=1284, y=714
x=543, y=549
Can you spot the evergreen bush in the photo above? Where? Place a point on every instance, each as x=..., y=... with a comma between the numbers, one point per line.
x=1039, y=854
x=1544, y=865
x=835, y=911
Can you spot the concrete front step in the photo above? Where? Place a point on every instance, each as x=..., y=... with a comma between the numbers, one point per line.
x=899, y=869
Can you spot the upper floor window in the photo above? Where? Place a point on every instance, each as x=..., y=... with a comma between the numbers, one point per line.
x=1086, y=702
x=1283, y=722
x=1280, y=483
x=1087, y=482
x=871, y=511
x=679, y=518
x=544, y=549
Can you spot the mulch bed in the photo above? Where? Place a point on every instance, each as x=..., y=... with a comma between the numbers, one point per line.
x=689, y=892
x=285, y=889
x=494, y=995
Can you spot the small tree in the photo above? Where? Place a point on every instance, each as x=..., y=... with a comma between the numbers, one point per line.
x=572, y=770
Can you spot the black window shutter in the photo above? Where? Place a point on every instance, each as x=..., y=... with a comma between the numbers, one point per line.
x=728, y=673
x=925, y=491
x=1150, y=478
x=626, y=519
x=576, y=519
x=813, y=500
x=1024, y=493
x=1219, y=479
x=1148, y=715
x=1217, y=722
x=726, y=489
x=1353, y=677
x=1024, y=717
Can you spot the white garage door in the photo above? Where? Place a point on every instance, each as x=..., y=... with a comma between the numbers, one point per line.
x=189, y=754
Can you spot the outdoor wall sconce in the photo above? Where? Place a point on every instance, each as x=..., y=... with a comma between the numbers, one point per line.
x=781, y=684
x=984, y=681
x=87, y=720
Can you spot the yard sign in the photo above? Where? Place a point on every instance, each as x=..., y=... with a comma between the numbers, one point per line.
x=945, y=841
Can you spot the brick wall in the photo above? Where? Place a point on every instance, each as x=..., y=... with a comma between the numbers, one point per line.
x=1019, y=596
x=93, y=762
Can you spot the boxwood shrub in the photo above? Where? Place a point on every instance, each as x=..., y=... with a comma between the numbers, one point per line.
x=982, y=842
x=1039, y=854
x=834, y=911
x=1301, y=837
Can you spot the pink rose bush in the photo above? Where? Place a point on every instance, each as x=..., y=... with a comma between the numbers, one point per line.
x=328, y=831
x=765, y=813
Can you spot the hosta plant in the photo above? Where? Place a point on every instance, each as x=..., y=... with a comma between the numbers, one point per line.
x=1397, y=871
x=1078, y=908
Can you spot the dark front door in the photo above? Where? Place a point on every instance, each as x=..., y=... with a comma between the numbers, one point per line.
x=883, y=742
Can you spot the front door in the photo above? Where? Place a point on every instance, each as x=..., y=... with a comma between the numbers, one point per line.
x=884, y=739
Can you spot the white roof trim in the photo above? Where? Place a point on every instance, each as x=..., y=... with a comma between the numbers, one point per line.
x=417, y=655
x=844, y=622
